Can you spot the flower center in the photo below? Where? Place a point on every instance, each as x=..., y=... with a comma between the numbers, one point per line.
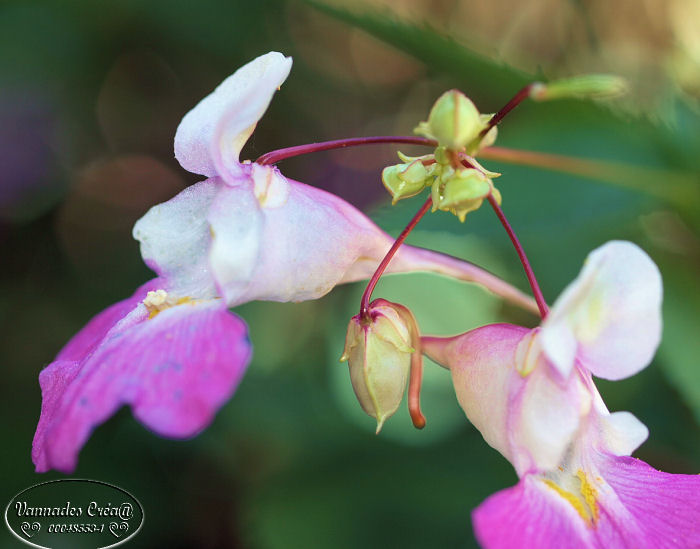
x=579, y=493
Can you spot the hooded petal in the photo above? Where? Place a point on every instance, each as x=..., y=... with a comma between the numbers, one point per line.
x=210, y=136
x=175, y=240
x=174, y=369
x=609, y=317
x=279, y=240
x=523, y=411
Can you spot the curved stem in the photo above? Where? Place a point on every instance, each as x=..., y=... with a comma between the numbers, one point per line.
x=514, y=102
x=273, y=157
x=367, y=295
x=541, y=303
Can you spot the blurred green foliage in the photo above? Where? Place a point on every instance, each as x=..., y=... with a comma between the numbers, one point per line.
x=90, y=96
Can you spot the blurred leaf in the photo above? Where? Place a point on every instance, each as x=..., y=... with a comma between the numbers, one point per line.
x=439, y=52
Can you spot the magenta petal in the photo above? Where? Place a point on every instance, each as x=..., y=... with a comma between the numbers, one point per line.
x=665, y=507
x=92, y=333
x=175, y=370
x=529, y=515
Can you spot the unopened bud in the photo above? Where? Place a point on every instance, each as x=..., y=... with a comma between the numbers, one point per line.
x=405, y=180
x=378, y=350
x=465, y=192
x=585, y=86
x=454, y=121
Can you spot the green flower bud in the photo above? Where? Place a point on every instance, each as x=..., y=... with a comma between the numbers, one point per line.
x=378, y=351
x=405, y=180
x=465, y=192
x=453, y=121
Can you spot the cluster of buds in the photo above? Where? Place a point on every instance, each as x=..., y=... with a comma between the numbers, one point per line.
x=458, y=183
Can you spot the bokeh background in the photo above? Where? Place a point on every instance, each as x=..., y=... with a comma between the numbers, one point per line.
x=90, y=96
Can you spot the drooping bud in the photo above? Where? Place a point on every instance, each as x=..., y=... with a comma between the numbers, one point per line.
x=378, y=350
x=585, y=86
x=454, y=121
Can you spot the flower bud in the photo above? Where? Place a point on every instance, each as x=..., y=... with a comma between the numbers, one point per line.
x=378, y=350
x=405, y=180
x=454, y=121
x=464, y=192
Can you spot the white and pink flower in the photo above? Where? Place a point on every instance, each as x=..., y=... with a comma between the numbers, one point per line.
x=531, y=394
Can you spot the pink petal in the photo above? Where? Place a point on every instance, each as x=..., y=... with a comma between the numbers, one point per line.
x=530, y=515
x=175, y=370
x=664, y=507
x=92, y=333
x=639, y=507
x=210, y=136
x=482, y=364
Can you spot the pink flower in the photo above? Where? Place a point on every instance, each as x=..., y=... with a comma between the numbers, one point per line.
x=531, y=394
x=172, y=351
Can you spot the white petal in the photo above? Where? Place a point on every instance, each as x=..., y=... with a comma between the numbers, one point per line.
x=547, y=420
x=236, y=230
x=210, y=136
x=612, y=311
x=175, y=240
x=622, y=433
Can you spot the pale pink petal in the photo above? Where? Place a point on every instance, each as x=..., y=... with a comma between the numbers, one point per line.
x=279, y=240
x=92, y=333
x=175, y=239
x=530, y=515
x=175, y=370
x=527, y=414
x=482, y=364
x=612, y=312
x=216, y=129
x=621, y=433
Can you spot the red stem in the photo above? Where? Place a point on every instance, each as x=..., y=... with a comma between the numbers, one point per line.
x=514, y=102
x=364, y=303
x=273, y=157
x=541, y=303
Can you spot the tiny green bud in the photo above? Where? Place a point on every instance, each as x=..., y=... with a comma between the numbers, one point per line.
x=586, y=86
x=405, y=180
x=453, y=121
x=378, y=350
x=465, y=192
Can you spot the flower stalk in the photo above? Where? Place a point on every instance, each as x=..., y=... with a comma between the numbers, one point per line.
x=367, y=295
x=278, y=155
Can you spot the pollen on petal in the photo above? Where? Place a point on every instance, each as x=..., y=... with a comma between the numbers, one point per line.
x=575, y=502
x=589, y=494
